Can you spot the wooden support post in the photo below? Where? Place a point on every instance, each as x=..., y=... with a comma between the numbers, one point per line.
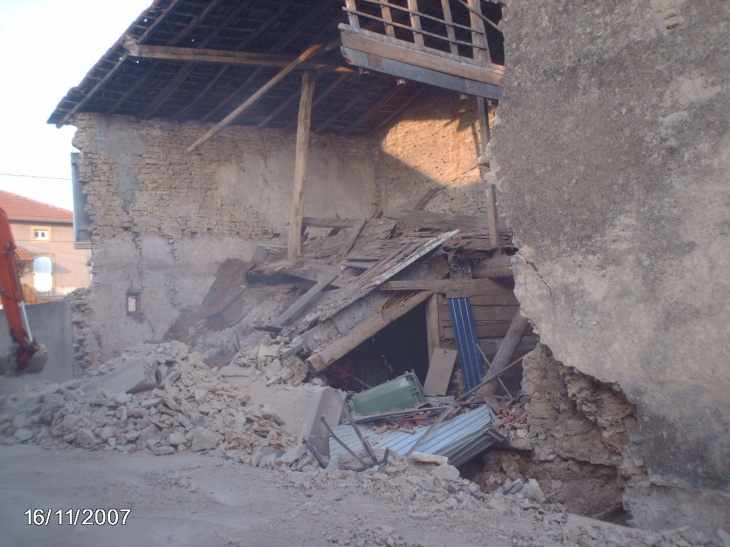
x=300, y=165
x=415, y=22
x=255, y=97
x=506, y=350
x=492, y=218
x=432, y=323
x=479, y=34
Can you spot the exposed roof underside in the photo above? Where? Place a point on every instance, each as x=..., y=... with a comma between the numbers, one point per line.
x=174, y=90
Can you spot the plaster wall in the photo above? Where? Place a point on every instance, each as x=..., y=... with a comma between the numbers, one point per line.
x=164, y=219
x=611, y=153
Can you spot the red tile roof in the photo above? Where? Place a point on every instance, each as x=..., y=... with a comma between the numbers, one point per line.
x=20, y=208
x=21, y=255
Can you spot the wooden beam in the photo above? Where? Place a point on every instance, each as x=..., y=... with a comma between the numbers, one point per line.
x=301, y=159
x=87, y=97
x=305, y=299
x=479, y=34
x=450, y=32
x=440, y=286
x=348, y=105
x=352, y=238
x=220, y=56
x=507, y=349
x=328, y=353
x=499, y=266
x=432, y=323
x=433, y=59
x=255, y=97
x=322, y=96
x=352, y=17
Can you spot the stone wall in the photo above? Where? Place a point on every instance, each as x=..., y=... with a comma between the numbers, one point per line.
x=433, y=144
x=611, y=153
x=164, y=219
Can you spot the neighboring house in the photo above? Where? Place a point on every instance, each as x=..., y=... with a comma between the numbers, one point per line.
x=45, y=234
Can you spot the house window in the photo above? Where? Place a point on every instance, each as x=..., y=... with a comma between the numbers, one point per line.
x=134, y=304
x=41, y=233
x=43, y=274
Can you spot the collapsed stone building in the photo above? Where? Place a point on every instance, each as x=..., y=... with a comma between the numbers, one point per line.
x=302, y=168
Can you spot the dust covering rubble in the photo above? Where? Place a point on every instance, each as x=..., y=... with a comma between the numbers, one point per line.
x=164, y=399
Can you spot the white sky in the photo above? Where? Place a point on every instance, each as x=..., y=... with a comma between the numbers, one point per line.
x=46, y=47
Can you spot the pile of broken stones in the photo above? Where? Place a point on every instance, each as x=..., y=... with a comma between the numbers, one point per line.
x=161, y=398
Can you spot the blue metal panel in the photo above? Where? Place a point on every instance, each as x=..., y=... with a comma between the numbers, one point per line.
x=459, y=439
x=465, y=332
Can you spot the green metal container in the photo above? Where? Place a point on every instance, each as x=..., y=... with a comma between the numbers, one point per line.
x=401, y=393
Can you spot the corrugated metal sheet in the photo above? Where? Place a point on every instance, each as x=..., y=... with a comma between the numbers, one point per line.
x=462, y=318
x=460, y=439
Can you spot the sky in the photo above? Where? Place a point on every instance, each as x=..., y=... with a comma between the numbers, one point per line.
x=47, y=47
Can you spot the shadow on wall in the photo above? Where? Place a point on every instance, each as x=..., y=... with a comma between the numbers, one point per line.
x=429, y=157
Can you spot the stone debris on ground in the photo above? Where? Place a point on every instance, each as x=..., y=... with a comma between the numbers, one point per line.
x=157, y=397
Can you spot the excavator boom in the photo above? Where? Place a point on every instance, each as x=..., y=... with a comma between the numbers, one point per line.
x=25, y=355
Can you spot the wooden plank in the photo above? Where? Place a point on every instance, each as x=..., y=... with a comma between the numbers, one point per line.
x=495, y=313
x=226, y=57
x=398, y=50
x=255, y=97
x=439, y=372
x=301, y=159
x=444, y=285
x=479, y=35
x=354, y=233
x=352, y=17
x=315, y=272
x=315, y=222
x=499, y=266
x=450, y=32
x=432, y=323
x=305, y=299
x=415, y=22
x=328, y=353
x=494, y=299
x=507, y=349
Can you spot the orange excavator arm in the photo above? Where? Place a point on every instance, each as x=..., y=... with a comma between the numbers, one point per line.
x=25, y=355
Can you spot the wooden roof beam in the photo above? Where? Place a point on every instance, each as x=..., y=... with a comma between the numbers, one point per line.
x=253, y=99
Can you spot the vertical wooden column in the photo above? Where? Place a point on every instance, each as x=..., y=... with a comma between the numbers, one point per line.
x=387, y=16
x=432, y=324
x=415, y=22
x=300, y=164
x=450, y=32
x=484, y=133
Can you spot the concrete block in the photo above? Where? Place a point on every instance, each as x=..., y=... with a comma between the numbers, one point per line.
x=135, y=375
x=325, y=404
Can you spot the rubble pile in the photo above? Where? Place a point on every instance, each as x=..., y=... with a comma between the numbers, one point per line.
x=162, y=398
x=272, y=359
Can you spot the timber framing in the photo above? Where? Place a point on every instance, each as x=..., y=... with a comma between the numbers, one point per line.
x=201, y=59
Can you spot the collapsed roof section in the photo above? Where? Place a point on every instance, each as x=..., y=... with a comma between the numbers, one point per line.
x=200, y=59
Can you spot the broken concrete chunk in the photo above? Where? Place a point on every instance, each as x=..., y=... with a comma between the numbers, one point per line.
x=204, y=439
x=24, y=434
x=269, y=351
x=177, y=438
x=164, y=450
x=84, y=437
x=445, y=472
x=534, y=492
x=422, y=457
x=135, y=375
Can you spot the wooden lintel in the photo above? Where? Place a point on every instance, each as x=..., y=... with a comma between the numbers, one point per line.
x=294, y=248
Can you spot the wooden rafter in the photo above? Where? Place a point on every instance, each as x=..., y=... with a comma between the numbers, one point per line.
x=308, y=53
x=255, y=34
x=116, y=67
x=278, y=47
x=338, y=113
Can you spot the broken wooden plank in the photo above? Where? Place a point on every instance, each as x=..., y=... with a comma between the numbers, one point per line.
x=507, y=349
x=305, y=299
x=340, y=346
x=439, y=372
x=432, y=323
x=445, y=285
x=314, y=272
x=301, y=159
x=327, y=222
x=354, y=233
x=225, y=122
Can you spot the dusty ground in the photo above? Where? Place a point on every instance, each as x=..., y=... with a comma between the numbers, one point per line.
x=193, y=499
